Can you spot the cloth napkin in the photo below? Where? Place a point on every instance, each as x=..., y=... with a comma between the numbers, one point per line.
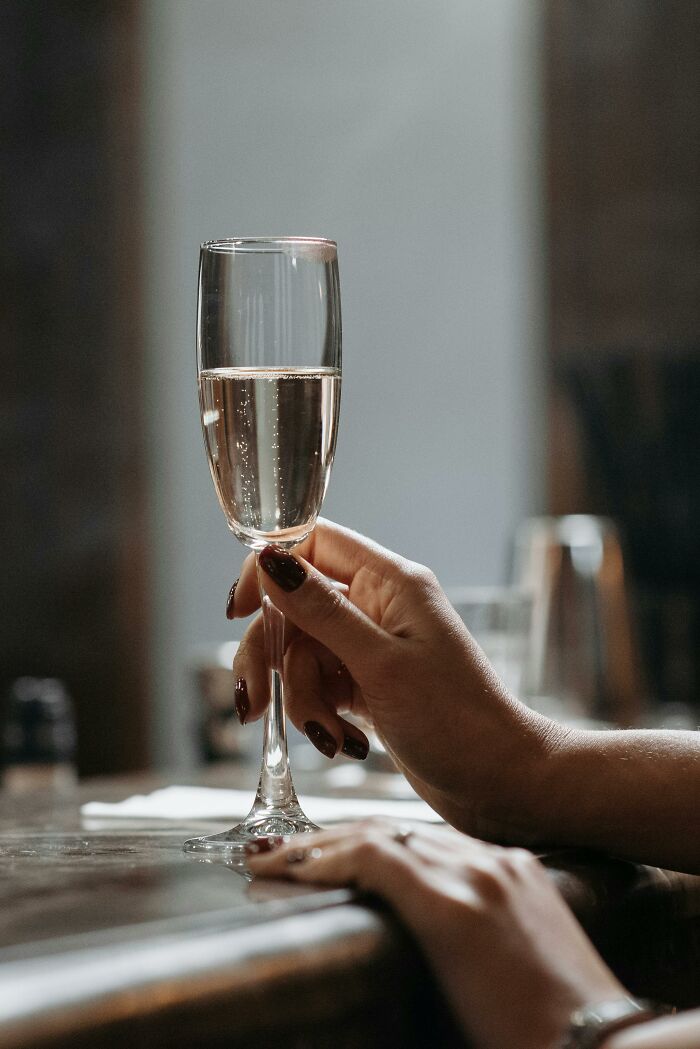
x=183, y=803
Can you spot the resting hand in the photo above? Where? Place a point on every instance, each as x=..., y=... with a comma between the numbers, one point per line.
x=500, y=940
x=392, y=649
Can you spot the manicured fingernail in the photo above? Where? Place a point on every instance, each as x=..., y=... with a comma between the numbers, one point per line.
x=230, y=604
x=255, y=848
x=282, y=568
x=241, y=701
x=355, y=748
x=320, y=738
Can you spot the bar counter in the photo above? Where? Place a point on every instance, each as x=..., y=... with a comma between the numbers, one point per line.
x=111, y=937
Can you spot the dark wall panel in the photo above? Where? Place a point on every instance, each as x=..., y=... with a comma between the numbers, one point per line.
x=72, y=526
x=622, y=101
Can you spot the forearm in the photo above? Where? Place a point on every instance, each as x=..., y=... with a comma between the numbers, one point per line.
x=631, y=793
x=674, y=1032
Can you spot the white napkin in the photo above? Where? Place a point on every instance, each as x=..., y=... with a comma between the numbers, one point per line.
x=208, y=803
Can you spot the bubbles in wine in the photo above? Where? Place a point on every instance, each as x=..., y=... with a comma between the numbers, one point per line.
x=270, y=436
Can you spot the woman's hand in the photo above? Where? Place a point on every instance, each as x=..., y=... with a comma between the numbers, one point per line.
x=390, y=648
x=502, y=943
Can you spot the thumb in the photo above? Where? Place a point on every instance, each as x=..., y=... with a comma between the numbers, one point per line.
x=315, y=604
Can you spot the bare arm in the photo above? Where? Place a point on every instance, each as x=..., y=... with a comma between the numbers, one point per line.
x=632, y=793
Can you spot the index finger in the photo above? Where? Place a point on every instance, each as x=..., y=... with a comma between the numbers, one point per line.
x=335, y=551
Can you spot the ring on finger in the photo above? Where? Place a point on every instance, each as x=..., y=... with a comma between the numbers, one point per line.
x=302, y=855
x=402, y=834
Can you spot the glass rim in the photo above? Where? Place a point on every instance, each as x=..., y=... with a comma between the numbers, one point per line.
x=251, y=244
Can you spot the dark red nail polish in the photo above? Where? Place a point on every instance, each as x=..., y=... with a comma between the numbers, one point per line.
x=241, y=701
x=282, y=568
x=255, y=848
x=320, y=738
x=230, y=604
x=355, y=748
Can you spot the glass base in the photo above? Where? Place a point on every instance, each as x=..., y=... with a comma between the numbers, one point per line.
x=263, y=821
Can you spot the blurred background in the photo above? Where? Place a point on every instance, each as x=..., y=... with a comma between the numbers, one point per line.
x=515, y=191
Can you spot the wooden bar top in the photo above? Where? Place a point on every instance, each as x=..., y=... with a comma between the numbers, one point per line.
x=111, y=937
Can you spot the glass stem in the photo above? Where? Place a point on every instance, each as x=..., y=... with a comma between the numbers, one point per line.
x=275, y=788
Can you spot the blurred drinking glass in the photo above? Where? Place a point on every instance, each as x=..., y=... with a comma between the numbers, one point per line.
x=582, y=660
x=498, y=618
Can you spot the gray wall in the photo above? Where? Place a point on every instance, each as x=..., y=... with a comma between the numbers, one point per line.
x=408, y=131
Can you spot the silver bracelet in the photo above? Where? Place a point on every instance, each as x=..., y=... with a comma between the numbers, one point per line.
x=591, y=1025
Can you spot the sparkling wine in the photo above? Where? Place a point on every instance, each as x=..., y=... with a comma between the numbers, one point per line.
x=270, y=435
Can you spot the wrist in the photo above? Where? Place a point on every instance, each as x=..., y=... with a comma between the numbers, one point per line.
x=519, y=804
x=542, y=776
x=555, y=801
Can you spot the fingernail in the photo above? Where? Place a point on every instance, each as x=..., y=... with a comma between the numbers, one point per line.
x=320, y=738
x=240, y=700
x=355, y=748
x=255, y=848
x=282, y=568
x=231, y=601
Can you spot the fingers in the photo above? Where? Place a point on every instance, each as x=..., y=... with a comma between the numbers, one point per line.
x=314, y=690
x=310, y=601
x=341, y=553
x=336, y=552
x=244, y=597
x=432, y=844
x=251, y=676
x=250, y=667
x=370, y=861
x=402, y=863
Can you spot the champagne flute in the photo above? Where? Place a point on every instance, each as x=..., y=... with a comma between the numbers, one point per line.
x=269, y=368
